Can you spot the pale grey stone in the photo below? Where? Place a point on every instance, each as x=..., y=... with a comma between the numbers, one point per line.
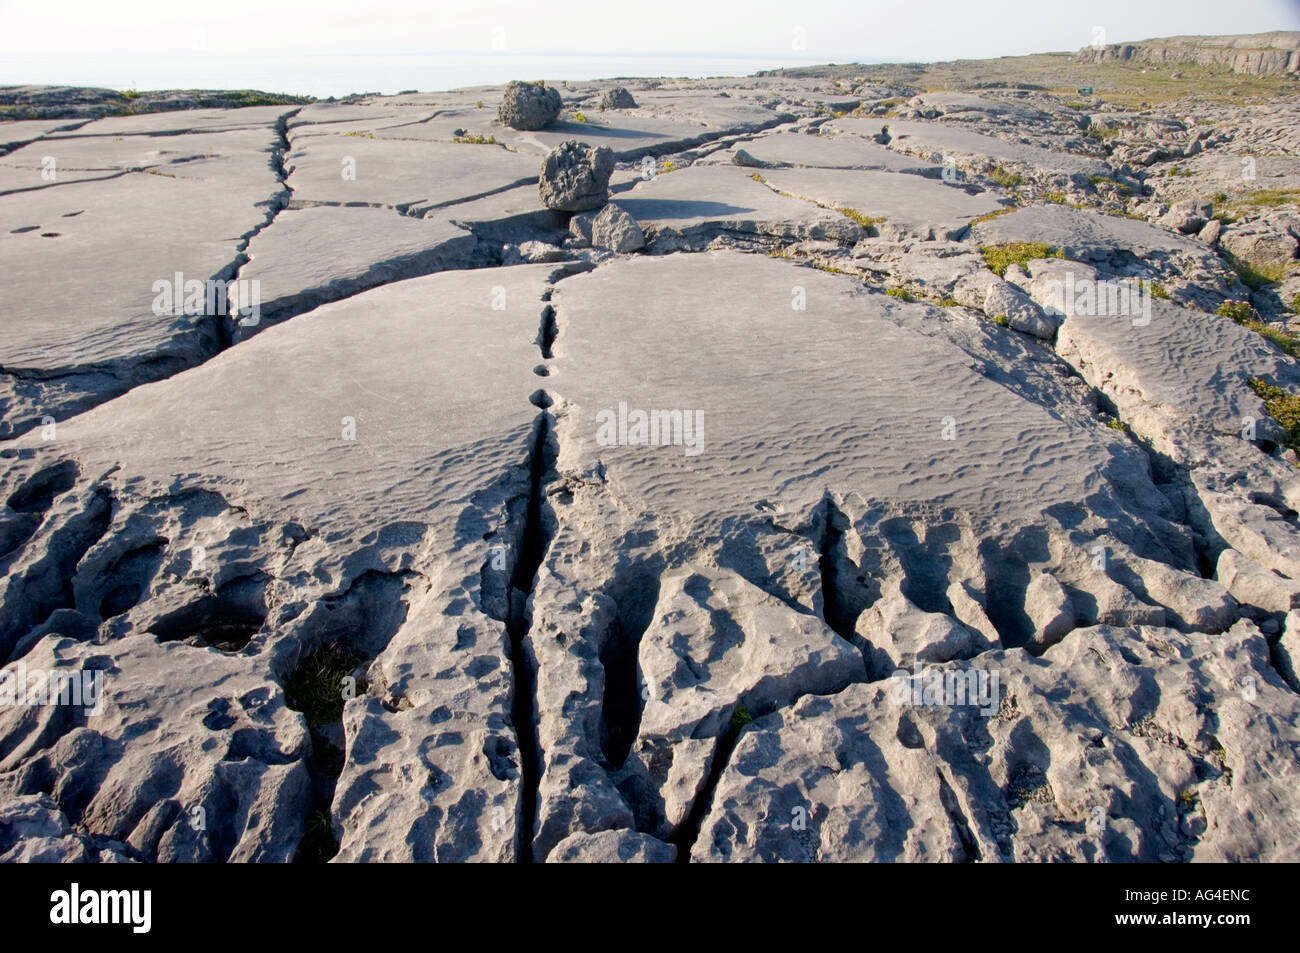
x=617, y=98
x=610, y=229
x=529, y=106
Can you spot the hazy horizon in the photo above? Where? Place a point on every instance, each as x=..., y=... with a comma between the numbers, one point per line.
x=333, y=47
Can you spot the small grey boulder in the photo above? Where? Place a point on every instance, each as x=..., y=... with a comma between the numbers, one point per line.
x=1005, y=299
x=611, y=229
x=617, y=98
x=1188, y=216
x=575, y=177
x=529, y=106
x=742, y=158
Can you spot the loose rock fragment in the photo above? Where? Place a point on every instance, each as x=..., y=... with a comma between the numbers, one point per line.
x=610, y=229
x=575, y=177
x=617, y=98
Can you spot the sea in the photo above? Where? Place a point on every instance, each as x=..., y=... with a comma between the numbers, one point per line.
x=325, y=75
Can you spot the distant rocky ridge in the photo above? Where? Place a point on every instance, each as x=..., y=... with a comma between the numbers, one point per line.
x=88, y=102
x=1257, y=54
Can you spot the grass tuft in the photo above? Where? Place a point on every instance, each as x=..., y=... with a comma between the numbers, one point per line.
x=741, y=717
x=1008, y=180
x=316, y=686
x=989, y=216
x=1256, y=275
x=1282, y=407
x=1000, y=257
x=866, y=221
x=1242, y=313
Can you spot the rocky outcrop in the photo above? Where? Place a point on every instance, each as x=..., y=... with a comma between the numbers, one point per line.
x=529, y=105
x=1257, y=54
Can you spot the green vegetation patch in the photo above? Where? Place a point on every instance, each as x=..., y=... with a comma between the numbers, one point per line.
x=741, y=717
x=1006, y=179
x=1282, y=407
x=989, y=216
x=1243, y=314
x=868, y=222
x=1267, y=198
x=1255, y=275
x=317, y=685
x=1000, y=257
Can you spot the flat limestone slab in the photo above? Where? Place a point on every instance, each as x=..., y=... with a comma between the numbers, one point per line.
x=963, y=107
x=94, y=332
x=694, y=204
x=721, y=109
x=676, y=124
x=1176, y=374
x=183, y=120
x=370, y=357
x=858, y=406
x=307, y=257
x=16, y=133
x=816, y=440
x=200, y=155
x=1083, y=234
x=925, y=138
x=339, y=480
x=628, y=133
x=911, y=206
x=401, y=174
x=826, y=152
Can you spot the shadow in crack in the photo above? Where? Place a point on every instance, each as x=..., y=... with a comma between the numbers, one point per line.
x=636, y=591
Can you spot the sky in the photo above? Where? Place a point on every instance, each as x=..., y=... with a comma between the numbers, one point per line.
x=176, y=39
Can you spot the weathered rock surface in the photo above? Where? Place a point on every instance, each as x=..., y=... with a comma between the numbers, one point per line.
x=617, y=98
x=974, y=151
x=1006, y=301
x=780, y=150
x=779, y=486
x=529, y=106
x=1259, y=54
x=1096, y=751
x=575, y=177
x=105, y=326
x=410, y=176
x=689, y=208
x=310, y=256
x=910, y=206
x=610, y=228
x=359, y=515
